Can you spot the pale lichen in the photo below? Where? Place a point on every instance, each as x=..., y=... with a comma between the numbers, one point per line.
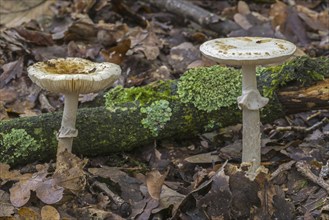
x=16, y=145
x=210, y=88
x=157, y=115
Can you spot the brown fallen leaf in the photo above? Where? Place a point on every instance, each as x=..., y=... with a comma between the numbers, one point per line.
x=147, y=42
x=154, y=182
x=16, y=12
x=315, y=20
x=49, y=192
x=35, y=37
x=6, y=209
x=29, y=213
x=49, y=213
x=69, y=173
x=3, y=112
x=11, y=71
x=117, y=53
x=278, y=14
x=6, y=175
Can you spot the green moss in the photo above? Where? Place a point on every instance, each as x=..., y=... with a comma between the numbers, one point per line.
x=300, y=70
x=210, y=88
x=15, y=145
x=123, y=98
x=210, y=126
x=157, y=115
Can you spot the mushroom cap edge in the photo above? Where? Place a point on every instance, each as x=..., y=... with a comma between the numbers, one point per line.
x=95, y=76
x=247, y=50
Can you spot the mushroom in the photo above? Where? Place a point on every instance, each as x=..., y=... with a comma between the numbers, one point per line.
x=249, y=52
x=72, y=76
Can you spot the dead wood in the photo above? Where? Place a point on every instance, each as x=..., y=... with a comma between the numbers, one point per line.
x=196, y=14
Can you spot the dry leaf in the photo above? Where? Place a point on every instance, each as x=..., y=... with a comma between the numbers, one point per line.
x=3, y=112
x=315, y=20
x=69, y=173
x=49, y=192
x=15, y=12
x=6, y=209
x=28, y=213
x=242, y=21
x=278, y=14
x=154, y=182
x=49, y=213
x=35, y=37
x=243, y=8
x=116, y=54
x=7, y=175
x=11, y=71
x=147, y=42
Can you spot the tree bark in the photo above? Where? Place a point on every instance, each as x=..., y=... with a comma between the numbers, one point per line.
x=102, y=131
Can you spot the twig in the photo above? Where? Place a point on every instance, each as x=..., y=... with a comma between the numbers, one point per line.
x=301, y=129
x=122, y=206
x=313, y=115
x=305, y=170
x=282, y=168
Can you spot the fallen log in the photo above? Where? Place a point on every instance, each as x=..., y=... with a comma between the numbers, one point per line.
x=197, y=14
x=203, y=99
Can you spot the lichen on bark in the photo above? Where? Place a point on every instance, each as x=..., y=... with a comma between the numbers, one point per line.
x=16, y=145
x=302, y=70
x=210, y=88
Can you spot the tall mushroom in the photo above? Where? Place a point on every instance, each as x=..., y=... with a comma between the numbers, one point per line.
x=72, y=76
x=249, y=52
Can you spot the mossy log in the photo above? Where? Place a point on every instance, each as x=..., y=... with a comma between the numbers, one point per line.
x=203, y=99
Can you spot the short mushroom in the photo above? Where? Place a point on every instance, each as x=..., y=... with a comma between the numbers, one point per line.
x=249, y=52
x=71, y=77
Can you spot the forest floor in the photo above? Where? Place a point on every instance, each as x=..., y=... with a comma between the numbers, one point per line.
x=198, y=178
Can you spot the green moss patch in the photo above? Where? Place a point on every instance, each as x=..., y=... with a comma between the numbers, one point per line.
x=134, y=97
x=303, y=70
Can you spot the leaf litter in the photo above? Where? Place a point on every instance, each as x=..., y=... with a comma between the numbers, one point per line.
x=189, y=179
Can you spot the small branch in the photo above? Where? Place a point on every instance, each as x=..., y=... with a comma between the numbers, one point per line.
x=122, y=206
x=301, y=129
x=305, y=170
x=282, y=168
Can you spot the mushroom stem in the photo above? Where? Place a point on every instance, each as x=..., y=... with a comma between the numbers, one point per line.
x=251, y=144
x=67, y=131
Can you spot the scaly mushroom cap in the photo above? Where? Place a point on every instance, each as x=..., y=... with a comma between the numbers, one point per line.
x=247, y=50
x=73, y=75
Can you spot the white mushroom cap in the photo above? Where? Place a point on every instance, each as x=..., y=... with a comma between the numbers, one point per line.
x=73, y=75
x=247, y=50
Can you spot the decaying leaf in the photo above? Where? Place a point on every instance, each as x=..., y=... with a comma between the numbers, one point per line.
x=154, y=182
x=6, y=209
x=169, y=198
x=217, y=202
x=6, y=175
x=11, y=71
x=49, y=212
x=49, y=192
x=21, y=191
x=148, y=42
x=70, y=175
x=16, y=12
x=28, y=213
